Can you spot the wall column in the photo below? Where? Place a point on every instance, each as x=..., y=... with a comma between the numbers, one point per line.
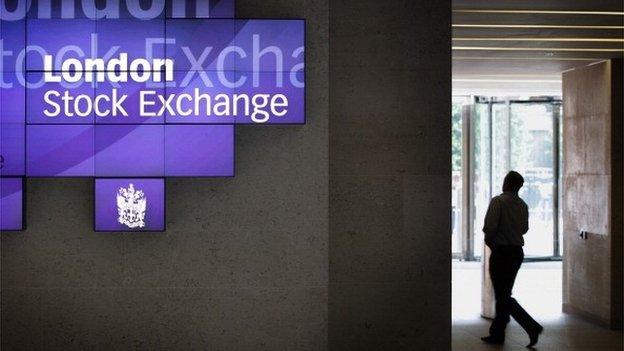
x=592, y=192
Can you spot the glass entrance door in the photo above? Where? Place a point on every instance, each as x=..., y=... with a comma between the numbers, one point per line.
x=530, y=147
x=504, y=135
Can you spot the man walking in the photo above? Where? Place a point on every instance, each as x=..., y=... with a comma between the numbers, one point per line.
x=506, y=221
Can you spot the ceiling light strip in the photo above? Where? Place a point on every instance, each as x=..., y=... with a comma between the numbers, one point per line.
x=545, y=12
x=553, y=26
x=493, y=76
x=498, y=48
x=608, y=40
x=527, y=58
x=554, y=81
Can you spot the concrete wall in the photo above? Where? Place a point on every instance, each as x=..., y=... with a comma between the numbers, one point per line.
x=242, y=266
x=390, y=175
x=592, y=202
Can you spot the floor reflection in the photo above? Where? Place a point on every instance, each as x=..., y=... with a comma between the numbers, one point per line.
x=538, y=289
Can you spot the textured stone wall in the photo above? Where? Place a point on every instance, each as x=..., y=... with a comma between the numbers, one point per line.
x=592, y=192
x=390, y=175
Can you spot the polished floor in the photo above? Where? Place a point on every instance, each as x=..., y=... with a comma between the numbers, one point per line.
x=538, y=289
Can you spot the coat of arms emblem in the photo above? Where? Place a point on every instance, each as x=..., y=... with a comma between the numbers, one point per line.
x=131, y=206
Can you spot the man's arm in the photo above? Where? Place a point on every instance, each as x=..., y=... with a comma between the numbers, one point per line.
x=525, y=220
x=492, y=218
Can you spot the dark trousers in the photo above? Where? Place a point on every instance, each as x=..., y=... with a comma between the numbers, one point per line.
x=505, y=262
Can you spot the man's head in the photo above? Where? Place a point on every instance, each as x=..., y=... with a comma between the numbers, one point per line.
x=513, y=182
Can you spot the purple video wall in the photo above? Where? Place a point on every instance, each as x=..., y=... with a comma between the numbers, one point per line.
x=11, y=203
x=127, y=91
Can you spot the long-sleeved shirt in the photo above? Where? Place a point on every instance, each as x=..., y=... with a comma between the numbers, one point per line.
x=506, y=221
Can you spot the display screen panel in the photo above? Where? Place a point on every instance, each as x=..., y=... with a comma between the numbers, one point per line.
x=129, y=205
x=11, y=204
x=124, y=84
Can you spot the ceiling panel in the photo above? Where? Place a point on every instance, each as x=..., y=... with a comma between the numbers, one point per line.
x=595, y=5
x=531, y=42
x=536, y=19
x=511, y=67
x=459, y=32
x=533, y=55
x=538, y=45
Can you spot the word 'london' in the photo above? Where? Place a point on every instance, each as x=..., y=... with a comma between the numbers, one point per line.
x=116, y=70
x=110, y=9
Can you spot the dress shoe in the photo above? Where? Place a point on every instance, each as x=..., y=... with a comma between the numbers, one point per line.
x=534, y=336
x=493, y=340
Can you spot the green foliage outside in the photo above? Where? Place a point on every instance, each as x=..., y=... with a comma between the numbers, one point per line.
x=456, y=137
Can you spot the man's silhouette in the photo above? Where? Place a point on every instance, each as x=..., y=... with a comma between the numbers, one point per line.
x=506, y=221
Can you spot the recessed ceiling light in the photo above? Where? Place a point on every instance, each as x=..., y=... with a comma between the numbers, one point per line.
x=555, y=81
x=553, y=12
x=526, y=58
x=498, y=48
x=609, y=40
x=554, y=26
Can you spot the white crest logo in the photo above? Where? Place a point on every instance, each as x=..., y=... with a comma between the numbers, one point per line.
x=131, y=205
